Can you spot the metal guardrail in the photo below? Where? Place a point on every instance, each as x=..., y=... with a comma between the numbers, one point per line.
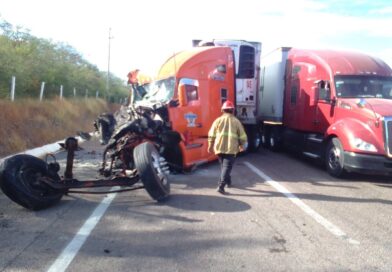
x=46, y=149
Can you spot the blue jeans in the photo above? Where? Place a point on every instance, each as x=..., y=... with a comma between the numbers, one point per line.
x=226, y=161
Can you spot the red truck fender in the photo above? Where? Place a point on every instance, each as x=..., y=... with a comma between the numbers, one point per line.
x=347, y=129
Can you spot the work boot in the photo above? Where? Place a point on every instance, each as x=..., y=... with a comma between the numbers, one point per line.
x=228, y=182
x=221, y=190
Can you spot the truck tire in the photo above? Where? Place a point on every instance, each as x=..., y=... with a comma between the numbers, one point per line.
x=334, y=158
x=265, y=137
x=275, y=141
x=254, y=138
x=18, y=181
x=149, y=166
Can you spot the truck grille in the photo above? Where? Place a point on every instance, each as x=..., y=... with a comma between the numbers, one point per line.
x=388, y=135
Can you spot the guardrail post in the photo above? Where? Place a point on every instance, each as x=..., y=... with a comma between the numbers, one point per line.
x=61, y=91
x=13, y=88
x=41, y=94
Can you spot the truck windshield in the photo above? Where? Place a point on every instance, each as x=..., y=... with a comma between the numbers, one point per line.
x=158, y=91
x=363, y=86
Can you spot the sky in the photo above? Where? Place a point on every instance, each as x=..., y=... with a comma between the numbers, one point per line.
x=144, y=33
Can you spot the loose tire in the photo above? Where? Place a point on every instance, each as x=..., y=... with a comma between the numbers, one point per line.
x=19, y=181
x=149, y=166
x=334, y=158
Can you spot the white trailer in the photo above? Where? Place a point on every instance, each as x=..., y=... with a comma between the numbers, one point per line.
x=272, y=83
x=271, y=98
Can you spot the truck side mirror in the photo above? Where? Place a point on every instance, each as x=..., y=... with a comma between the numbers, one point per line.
x=333, y=101
x=182, y=95
x=221, y=68
x=324, y=91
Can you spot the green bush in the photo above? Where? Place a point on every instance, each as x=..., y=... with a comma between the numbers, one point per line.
x=34, y=60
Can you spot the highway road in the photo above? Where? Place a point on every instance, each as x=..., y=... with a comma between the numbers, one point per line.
x=284, y=213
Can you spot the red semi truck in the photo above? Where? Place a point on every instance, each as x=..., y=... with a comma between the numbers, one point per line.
x=331, y=105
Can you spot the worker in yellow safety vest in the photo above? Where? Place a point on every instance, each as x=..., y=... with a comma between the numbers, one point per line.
x=226, y=138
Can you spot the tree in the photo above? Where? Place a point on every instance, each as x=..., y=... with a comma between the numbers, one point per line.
x=34, y=60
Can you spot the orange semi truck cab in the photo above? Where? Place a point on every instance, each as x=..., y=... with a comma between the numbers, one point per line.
x=189, y=89
x=204, y=79
x=331, y=105
x=192, y=85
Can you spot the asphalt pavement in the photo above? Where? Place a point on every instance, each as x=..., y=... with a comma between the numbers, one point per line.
x=283, y=213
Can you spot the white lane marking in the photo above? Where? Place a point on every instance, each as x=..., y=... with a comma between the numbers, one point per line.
x=308, y=210
x=65, y=258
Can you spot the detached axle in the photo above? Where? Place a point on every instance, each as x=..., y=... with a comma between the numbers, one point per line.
x=65, y=185
x=71, y=144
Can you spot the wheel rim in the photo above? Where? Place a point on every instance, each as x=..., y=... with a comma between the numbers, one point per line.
x=272, y=142
x=159, y=163
x=30, y=178
x=334, y=158
x=257, y=141
x=263, y=139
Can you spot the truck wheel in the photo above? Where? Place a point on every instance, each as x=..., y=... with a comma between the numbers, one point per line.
x=265, y=137
x=254, y=138
x=19, y=181
x=335, y=158
x=150, y=166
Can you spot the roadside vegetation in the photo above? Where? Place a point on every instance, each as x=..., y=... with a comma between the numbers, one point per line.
x=32, y=60
x=27, y=124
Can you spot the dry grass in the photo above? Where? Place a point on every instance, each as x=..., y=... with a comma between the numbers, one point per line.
x=26, y=124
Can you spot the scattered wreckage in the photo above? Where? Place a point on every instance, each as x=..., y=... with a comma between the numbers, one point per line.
x=105, y=125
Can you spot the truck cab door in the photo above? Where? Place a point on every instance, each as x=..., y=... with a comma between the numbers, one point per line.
x=190, y=106
x=189, y=118
x=291, y=105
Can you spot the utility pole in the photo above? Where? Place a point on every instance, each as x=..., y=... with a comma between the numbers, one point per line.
x=108, y=75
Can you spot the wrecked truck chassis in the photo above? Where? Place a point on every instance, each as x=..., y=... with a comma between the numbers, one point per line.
x=70, y=183
x=35, y=184
x=64, y=185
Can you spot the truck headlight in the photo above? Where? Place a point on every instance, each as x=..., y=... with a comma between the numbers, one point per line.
x=364, y=146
